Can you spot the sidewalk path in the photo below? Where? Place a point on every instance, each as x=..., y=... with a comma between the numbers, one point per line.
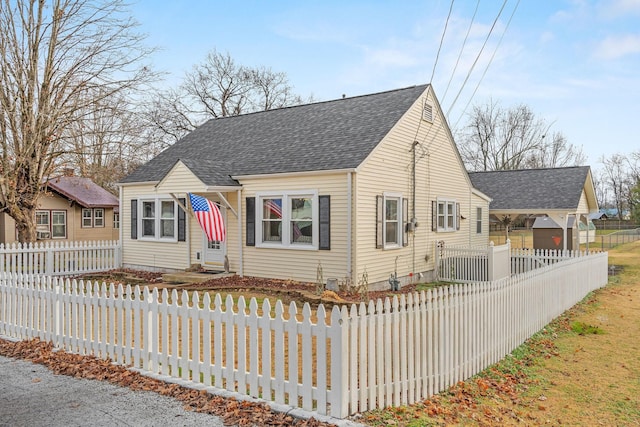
x=31, y=396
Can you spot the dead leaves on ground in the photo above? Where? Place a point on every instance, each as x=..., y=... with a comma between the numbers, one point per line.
x=494, y=397
x=233, y=412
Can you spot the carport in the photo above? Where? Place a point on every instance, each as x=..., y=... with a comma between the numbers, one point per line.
x=563, y=194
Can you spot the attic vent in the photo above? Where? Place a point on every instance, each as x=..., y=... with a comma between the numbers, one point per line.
x=427, y=112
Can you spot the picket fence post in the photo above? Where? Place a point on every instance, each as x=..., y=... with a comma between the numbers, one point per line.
x=337, y=333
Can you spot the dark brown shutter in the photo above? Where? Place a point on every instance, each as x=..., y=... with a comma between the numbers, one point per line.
x=251, y=221
x=434, y=215
x=379, y=214
x=405, y=221
x=458, y=216
x=134, y=219
x=324, y=207
x=182, y=221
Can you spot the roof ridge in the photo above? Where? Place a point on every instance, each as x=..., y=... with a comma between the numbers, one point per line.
x=328, y=101
x=533, y=169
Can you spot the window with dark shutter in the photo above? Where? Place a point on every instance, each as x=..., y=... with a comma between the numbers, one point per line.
x=182, y=221
x=324, y=205
x=434, y=215
x=405, y=222
x=458, y=216
x=134, y=219
x=251, y=221
x=379, y=221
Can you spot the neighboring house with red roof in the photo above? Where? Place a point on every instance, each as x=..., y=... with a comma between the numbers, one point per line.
x=72, y=209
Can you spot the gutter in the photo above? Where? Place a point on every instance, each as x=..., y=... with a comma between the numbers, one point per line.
x=349, y=225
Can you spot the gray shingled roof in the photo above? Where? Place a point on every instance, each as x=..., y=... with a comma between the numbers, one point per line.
x=532, y=189
x=330, y=135
x=83, y=191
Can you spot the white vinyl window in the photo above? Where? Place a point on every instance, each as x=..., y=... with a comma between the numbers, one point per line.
x=167, y=219
x=158, y=219
x=87, y=218
x=92, y=217
x=42, y=221
x=43, y=225
x=478, y=220
x=98, y=217
x=446, y=215
x=59, y=224
x=392, y=221
x=116, y=220
x=287, y=220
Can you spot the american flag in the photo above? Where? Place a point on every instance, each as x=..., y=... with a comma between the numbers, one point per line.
x=209, y=218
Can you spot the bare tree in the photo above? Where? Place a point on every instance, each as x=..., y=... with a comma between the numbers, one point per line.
x=217, y=87
x=618, y=179
x=499, y=139
x=58, y=60
x=635, y=202
x=600, y=183
x=107, y=142
x=555, y=152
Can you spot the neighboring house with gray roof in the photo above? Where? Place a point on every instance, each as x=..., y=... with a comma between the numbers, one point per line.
x=72, y=209
x=364, y=186
x=560, y=193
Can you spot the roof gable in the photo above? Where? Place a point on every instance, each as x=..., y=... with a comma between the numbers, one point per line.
x=535, y=189
x=83, y=191
x=330, y=135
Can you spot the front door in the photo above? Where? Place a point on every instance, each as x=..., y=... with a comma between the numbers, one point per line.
x=215, y=251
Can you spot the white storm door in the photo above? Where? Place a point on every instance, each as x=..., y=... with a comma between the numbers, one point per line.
x=215, y=251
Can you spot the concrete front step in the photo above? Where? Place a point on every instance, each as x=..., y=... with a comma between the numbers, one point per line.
x=193, y=277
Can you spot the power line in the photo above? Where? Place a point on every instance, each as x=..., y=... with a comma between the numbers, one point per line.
x=477, y=58
x=461, y=51
x=444, y=31
x=487, y=67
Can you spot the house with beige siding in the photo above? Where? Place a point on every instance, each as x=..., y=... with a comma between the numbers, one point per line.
x=354, y=189
x=72, y=208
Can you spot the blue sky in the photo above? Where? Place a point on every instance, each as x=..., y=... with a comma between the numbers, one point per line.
x=575, y=63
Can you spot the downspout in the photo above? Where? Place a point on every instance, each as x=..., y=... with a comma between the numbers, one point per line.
x=187, y=235
x=239, y=220
x=120, y=234
x=413, y=208
x=349, y=225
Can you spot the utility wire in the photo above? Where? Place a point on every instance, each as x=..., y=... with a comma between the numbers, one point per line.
x=425, y=152
x=444, y=31
x=466, y=37
x=477, y=58
x=487, y=67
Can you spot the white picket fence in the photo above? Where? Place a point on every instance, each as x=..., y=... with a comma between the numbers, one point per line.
x=385, y=353
x=523, y=260
x=464, y=264
x=488, y=263
x=56, y=258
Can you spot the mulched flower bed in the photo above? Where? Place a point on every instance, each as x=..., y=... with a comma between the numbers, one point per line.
x=305, y=291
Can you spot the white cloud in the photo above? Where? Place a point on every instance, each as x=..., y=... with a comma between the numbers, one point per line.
x=614, y=47
x=620, y=8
